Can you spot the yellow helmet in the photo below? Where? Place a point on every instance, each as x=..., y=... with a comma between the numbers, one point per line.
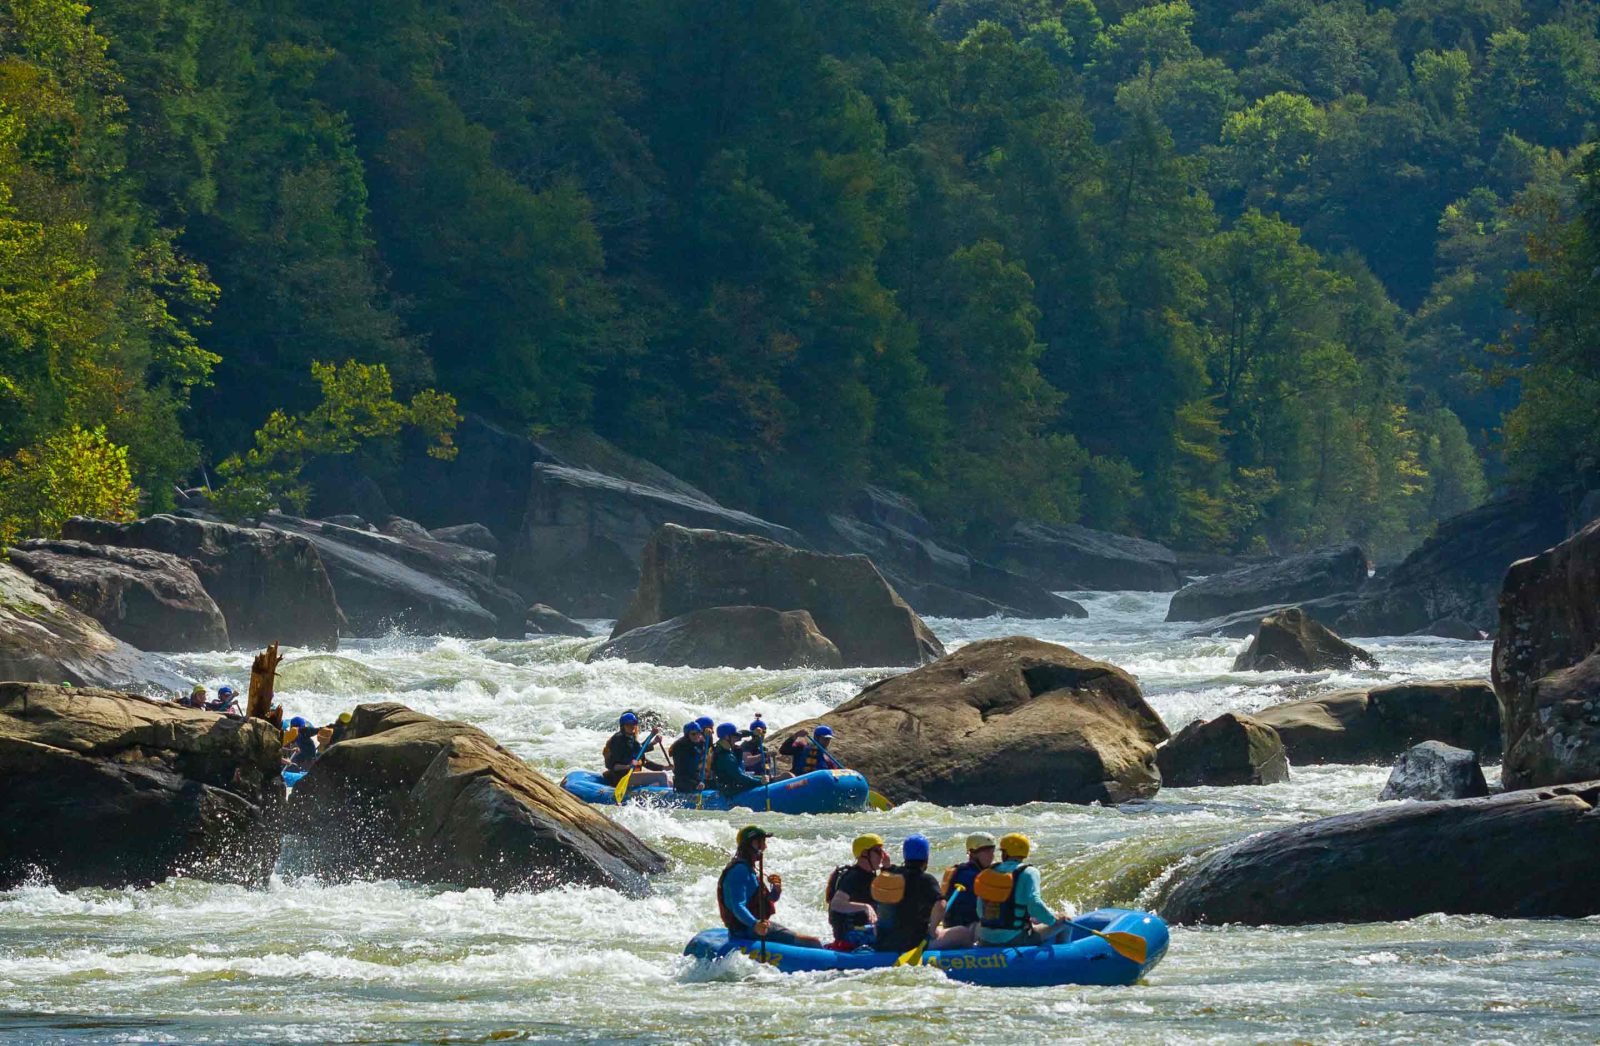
x=864, y=843
x=1016, y=845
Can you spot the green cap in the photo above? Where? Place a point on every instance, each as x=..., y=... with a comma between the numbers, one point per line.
x=753, y=831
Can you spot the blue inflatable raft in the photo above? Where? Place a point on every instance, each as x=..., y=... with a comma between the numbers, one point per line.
x=819, y=792
x=1082, y=959
x=292, y=777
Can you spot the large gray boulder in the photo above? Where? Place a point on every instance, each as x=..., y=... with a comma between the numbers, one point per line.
x=43, y=639
x=404, y=581
x=1433, y=771
x=408, y=796
x=152, y=600
x=1232, y=749
x=1375, y=726
x=105, y=789
x=934, y=575
x=1290, y=640
x=1519, y=855
x=686, y=570
x=270, y=586
x=1002, y=722
x=1073, y=558
x=727, y=637
x=1291, y=579
x=1546, y=668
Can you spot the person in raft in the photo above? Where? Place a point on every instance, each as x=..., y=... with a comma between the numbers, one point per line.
x=625, y=751
x=300, y=748
x=688, y=755
x=809, y=752
x=910, y=903
x=757, y=759
x=960, y=913
x=196, y=698
x=227, y=701
x=1010, y=910
x=747, y=899
x=851, y=913
x=727, y=768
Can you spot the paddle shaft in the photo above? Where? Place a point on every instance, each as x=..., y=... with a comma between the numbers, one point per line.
x=761, y=888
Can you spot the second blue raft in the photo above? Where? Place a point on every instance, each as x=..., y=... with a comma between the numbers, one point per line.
x=819, y=792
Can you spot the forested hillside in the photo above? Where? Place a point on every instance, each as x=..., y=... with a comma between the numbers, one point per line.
x=1230, y=275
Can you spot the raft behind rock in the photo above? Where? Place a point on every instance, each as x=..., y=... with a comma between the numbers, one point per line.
x=1081, y=959
x=819, y=792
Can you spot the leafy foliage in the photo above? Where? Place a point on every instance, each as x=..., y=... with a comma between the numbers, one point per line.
x=74, y=472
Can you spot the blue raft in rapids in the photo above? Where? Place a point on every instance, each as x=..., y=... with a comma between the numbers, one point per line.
x=819, y=792
x=1081, y=959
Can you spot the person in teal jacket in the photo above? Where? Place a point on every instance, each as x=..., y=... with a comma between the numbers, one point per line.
x=1010, y=909
x=727, y=765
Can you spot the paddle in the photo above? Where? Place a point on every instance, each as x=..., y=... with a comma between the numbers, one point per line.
x=622, y=785
x=874, y=799
x=1128, y=945
x=914, y=956
x=761, y=886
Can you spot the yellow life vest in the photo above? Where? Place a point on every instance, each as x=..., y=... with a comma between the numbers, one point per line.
x=889, y=888
x=997, y=899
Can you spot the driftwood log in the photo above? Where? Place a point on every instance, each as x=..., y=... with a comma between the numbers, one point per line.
x=263, y=673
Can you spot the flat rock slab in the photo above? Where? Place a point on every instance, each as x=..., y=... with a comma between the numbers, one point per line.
x=727, y=637
x=1291, y=579
x=1375, y=726
x=1075, y=558
x=1520, y=855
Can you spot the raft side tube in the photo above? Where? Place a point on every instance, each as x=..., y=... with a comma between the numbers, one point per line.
x=1081, y=959
x=819, y=792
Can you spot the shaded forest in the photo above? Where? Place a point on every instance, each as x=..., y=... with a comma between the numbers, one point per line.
x=1229, y=275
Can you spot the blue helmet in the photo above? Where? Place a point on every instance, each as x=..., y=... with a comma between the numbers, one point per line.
x=225, y=691
x=693, y=727
x=626, y=719
x=300, y=721
x=758, y=725
x=727, y=730
x=822, y=731
x=706, y=722
x=915, y=848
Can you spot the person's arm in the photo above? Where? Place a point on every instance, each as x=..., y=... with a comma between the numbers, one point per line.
x=936, y=917
x=842, y=904
x=617, y=756
x=1028, y=897
x=737, y=889
x=792, y=746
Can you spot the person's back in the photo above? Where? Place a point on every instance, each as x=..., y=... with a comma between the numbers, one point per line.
x=1009, y=906
x=905, y=897
x=688, y=759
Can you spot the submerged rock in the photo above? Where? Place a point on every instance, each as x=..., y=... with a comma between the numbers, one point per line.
x=1290, y=640
x=1003, y=722
x=1292, y=579
x=1519, y=855
x=270, y=586
x=687, y=570
x=1375, y=726
x=1546, y=670
x=727, y=637
x=547, y=621
x=45, y=640
x=1074, y=558
x=152, y=600
x=332, y=674
x=1232, y=749
x=410, y=796
x=1434, y=770
x=104, y=789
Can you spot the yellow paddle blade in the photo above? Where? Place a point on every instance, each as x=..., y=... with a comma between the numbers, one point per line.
x=1128, y=945
x=622, y=786
x=877, y=801
x=913, y=957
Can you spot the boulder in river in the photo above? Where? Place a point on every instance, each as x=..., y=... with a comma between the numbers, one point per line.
x=1291, y=579
x=1072, y=557
x=45, y=640
x=1434, y=770
x=686, y=570
x=1290, y=640
x=727, y=637
x=1519, y=855
x=105, y=789
x=400, y=580
x=548, y=621
x=1002, y=722
x=1375, y=726
x=473, y=535
x=1546, y=668
x=406, y=795
x=152, y=600
x=1232, y=749
x=932, y=574
x=270, y=586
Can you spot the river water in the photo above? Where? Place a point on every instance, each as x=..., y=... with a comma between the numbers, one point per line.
x=384, y=962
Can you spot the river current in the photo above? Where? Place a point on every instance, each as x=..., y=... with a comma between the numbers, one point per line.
x=385, y=962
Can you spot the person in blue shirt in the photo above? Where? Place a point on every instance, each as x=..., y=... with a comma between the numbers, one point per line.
x=1010, y=910
x=747, y=898
x=727, y=768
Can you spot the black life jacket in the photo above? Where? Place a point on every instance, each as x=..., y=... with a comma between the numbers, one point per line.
x=761, y=905
x=841, y=922
x=997, y=899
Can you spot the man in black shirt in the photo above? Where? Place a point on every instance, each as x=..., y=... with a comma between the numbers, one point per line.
x=624, y=750
x=909, y=902
x=689, y=759
x=850, y=909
